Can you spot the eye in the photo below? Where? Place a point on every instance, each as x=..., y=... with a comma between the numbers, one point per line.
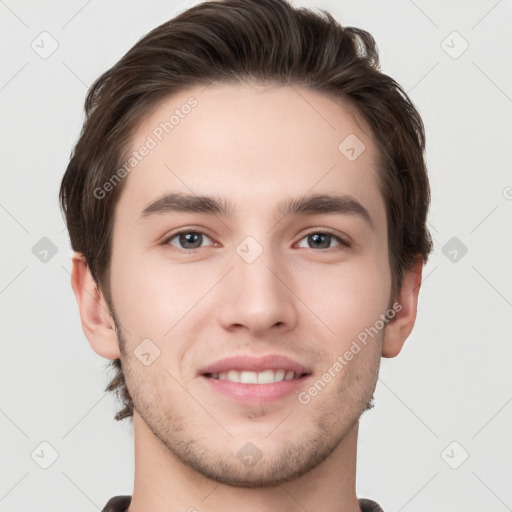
x=188, y=239
x=322, y=240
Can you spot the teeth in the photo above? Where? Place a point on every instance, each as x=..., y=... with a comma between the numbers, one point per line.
x=266, y=377
x=233, y=376
x=279, y=375
x=248, y=377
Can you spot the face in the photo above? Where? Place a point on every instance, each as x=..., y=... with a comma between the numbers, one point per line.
x=266, y=283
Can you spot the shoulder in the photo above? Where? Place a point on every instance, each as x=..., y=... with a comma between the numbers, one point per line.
x=117, y=504
x=369, y=505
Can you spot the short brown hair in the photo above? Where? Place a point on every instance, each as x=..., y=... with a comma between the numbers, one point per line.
x=237, y=41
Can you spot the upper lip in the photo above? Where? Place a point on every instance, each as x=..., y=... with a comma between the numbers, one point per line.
x=255, y=364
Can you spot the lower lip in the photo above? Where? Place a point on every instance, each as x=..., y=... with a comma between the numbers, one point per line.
x=256, y=394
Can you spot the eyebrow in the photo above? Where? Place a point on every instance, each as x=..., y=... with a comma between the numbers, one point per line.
x=178, y=202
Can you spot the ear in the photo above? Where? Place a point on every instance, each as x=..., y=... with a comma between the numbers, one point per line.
x=97, y=323
x=399, y=328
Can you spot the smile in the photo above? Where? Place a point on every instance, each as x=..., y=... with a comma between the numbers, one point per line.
x=249, y=377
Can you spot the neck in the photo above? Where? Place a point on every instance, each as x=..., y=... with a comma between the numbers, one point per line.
x=164, y=484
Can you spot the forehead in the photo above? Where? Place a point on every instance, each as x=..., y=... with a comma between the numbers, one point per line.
x=252, y=144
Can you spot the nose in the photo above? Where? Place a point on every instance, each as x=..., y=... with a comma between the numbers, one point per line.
x=258, y=297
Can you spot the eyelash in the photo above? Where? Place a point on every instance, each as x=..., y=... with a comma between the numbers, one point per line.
x=343, y=243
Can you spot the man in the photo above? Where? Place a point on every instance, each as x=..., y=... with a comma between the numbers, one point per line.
x=247, y=204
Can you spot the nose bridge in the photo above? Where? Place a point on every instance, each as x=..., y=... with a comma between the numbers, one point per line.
x=258, y=297
x=256, y=273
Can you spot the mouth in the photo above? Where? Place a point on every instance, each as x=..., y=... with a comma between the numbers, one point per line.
x=269, y=376
x=255, y=381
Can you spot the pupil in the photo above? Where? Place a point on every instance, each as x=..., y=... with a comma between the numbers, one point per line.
x=189, y=238
x=318, y=237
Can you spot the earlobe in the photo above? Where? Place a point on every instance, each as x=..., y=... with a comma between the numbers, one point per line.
x=399, y=328
x=97, y=323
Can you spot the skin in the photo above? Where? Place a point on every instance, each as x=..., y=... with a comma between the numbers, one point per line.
x=253, y=145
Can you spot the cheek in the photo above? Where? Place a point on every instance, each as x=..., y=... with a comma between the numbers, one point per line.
x=348, y=298
x=151, y=296
x=134, y=290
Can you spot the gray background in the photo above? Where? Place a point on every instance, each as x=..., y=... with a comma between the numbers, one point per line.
x=451, y=383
